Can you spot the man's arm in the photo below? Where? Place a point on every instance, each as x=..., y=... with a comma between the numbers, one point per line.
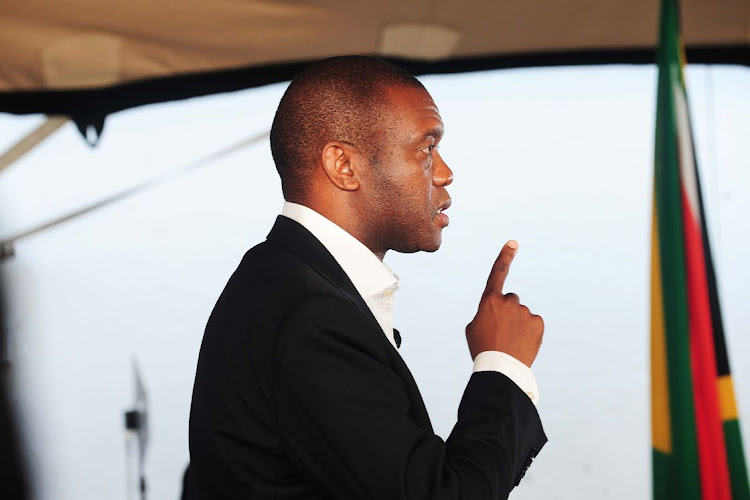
x=344, y=417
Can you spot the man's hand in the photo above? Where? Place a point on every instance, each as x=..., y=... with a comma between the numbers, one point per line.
x=502, y=323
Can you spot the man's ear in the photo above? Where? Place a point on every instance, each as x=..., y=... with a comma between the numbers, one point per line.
x=341, y=164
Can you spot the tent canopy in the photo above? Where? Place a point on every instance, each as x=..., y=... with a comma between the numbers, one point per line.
x=88, y=58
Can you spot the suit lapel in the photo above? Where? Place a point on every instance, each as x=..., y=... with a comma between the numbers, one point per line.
x=298, y=240
x=294, y=237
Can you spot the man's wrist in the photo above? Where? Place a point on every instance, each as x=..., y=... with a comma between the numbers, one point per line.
x=512, y=368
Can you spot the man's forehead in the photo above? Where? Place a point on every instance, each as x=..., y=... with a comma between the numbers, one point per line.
x=415, y=103
x=417, y=96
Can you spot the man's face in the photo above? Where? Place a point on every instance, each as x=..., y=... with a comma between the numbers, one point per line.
x=405, y=188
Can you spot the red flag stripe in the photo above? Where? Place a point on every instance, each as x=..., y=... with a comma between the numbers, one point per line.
x=714, y=470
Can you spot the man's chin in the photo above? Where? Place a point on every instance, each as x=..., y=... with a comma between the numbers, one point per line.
x=434, y=244
x=430, y=247
x=434, y=247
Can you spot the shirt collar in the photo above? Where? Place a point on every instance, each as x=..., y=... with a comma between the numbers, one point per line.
x=369, y=275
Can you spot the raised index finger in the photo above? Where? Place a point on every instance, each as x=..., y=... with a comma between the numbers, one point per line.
x=501, y=267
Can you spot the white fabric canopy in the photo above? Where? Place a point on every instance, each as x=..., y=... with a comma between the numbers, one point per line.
x=83, y=45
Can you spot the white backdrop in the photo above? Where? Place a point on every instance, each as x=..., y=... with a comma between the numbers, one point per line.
x=559, y=159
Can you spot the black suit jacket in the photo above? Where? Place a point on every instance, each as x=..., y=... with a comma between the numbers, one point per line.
x=298, y=394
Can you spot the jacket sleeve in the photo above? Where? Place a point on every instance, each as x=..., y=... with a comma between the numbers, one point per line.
x=343, y=415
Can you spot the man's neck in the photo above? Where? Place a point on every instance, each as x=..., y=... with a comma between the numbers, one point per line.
x=343, y=219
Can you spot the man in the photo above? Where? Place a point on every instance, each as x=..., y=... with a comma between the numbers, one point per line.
x=300, y=391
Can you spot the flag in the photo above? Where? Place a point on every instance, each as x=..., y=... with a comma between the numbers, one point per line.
x=697, y=446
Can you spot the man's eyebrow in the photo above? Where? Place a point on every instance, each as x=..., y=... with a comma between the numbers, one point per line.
x=435, y=132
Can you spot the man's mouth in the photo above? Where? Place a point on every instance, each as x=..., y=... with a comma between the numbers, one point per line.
x=443, y=219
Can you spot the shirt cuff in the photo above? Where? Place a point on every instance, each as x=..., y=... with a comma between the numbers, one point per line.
x=496, y=361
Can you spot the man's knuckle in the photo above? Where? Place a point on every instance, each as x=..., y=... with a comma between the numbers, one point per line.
x=540, y=321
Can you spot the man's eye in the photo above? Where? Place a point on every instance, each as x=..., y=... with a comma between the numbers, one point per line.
x=429, y=148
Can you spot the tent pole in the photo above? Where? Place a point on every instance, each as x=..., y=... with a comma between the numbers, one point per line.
x=31, y=140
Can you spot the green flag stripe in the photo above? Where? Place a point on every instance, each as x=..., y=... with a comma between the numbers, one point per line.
x=737, y=465
x=662, y=464
x=683, y=464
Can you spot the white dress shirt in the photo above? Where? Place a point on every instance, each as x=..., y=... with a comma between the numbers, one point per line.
x=376, y=283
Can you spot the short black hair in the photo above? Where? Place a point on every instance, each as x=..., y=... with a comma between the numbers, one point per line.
x=337, y=99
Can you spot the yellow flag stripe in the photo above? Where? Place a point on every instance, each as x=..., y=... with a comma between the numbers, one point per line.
x=727, y=403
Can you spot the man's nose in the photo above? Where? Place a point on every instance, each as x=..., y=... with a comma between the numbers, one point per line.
x=443, y=175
